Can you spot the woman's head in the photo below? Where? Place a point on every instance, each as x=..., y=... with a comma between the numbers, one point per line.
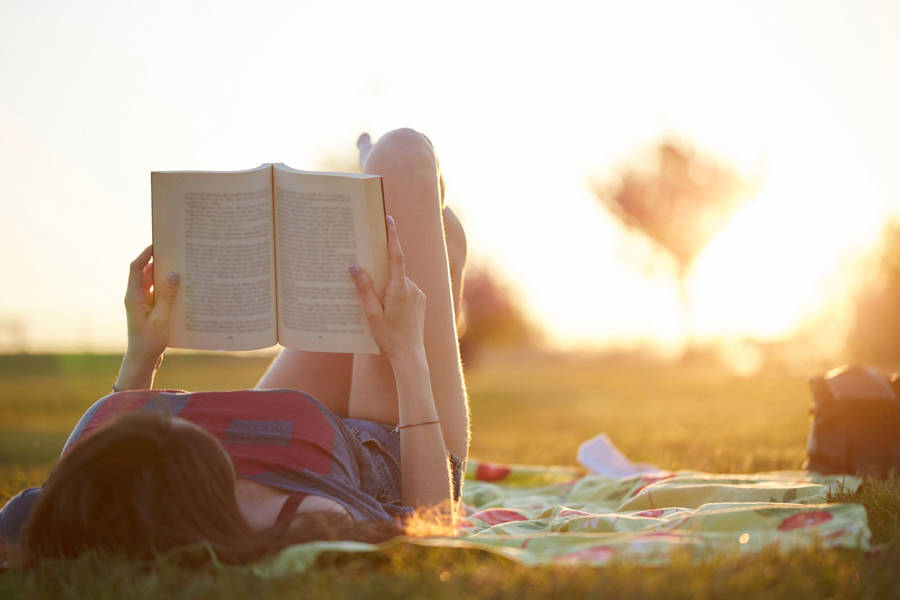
x=138, y=486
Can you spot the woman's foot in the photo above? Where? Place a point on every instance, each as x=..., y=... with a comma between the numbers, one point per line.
x=457, y=250
x=364, y=144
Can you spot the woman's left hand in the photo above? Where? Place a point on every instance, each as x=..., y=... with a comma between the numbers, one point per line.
x=398, y=323
x=148, y=323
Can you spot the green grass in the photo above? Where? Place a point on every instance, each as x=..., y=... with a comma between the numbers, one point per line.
x=523, y=410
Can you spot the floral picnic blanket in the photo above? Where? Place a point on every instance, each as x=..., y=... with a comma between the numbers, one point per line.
x=559, y=515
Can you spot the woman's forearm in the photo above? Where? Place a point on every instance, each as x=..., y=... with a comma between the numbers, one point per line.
x=137, y=371
x=424, y=468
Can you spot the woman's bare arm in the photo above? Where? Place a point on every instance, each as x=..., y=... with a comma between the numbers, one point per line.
x=425, y=475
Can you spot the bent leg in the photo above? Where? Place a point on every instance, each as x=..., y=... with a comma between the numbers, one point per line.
x=406, y=161
x=323, y=375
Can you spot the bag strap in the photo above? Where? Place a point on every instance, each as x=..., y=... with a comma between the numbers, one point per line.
x=289, y=509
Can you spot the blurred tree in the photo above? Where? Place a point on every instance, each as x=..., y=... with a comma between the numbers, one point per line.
x=12, y=335
x=875, y=333
x=679, y=204
x=492, y=316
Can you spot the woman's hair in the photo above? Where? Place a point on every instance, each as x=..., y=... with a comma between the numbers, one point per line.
x=141, y=485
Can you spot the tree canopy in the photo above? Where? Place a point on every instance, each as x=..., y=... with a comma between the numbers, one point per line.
x=680, y=203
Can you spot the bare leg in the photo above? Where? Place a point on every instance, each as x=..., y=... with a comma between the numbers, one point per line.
x=327, y=377
x=323, y=375
x=406, y=161
x=457, y=250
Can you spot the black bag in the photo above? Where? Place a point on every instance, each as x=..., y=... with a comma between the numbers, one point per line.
x=855, y=424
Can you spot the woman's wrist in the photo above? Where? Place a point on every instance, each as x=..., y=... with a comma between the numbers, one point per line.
x=409, y=361
x=137, y=370
x=141, y=358
x=415, y=401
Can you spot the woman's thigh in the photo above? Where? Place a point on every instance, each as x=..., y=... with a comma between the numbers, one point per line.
x=323, y=375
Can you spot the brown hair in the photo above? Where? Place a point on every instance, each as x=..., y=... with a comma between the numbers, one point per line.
x=140, y=486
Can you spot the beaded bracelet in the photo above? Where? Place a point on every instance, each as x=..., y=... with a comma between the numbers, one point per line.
x=399, y=427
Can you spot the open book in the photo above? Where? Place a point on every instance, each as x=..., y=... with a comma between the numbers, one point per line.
x=263, y=256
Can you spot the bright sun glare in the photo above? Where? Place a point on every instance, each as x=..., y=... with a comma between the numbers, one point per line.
x=785, y=257
x=532, y=104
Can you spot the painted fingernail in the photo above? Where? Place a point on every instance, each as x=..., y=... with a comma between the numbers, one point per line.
x=354, y=271
x=174, y=278
x=390, y=219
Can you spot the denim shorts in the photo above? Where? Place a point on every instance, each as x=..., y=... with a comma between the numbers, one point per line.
x=379, y=471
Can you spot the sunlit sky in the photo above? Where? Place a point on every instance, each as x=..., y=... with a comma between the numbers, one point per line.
x=525, y=103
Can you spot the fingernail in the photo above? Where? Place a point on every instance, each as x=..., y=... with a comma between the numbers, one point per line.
x=355, y=271
x=174, y=278
x=390, y=219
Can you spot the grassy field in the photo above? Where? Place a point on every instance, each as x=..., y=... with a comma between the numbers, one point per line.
x=524, y=410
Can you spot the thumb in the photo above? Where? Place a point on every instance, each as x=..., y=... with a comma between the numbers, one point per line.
x=165, y=295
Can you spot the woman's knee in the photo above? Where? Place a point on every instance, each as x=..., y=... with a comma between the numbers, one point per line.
x=403, y=152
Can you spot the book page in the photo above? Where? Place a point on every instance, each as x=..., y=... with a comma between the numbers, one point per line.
x=323, y=224
x=216, y=230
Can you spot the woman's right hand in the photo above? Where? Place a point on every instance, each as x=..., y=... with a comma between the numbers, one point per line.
x=148, y=324
x=148, y=320
x=398, y=322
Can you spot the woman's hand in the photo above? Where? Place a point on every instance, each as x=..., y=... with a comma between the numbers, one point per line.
x=397, y=323
x=148, y=323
